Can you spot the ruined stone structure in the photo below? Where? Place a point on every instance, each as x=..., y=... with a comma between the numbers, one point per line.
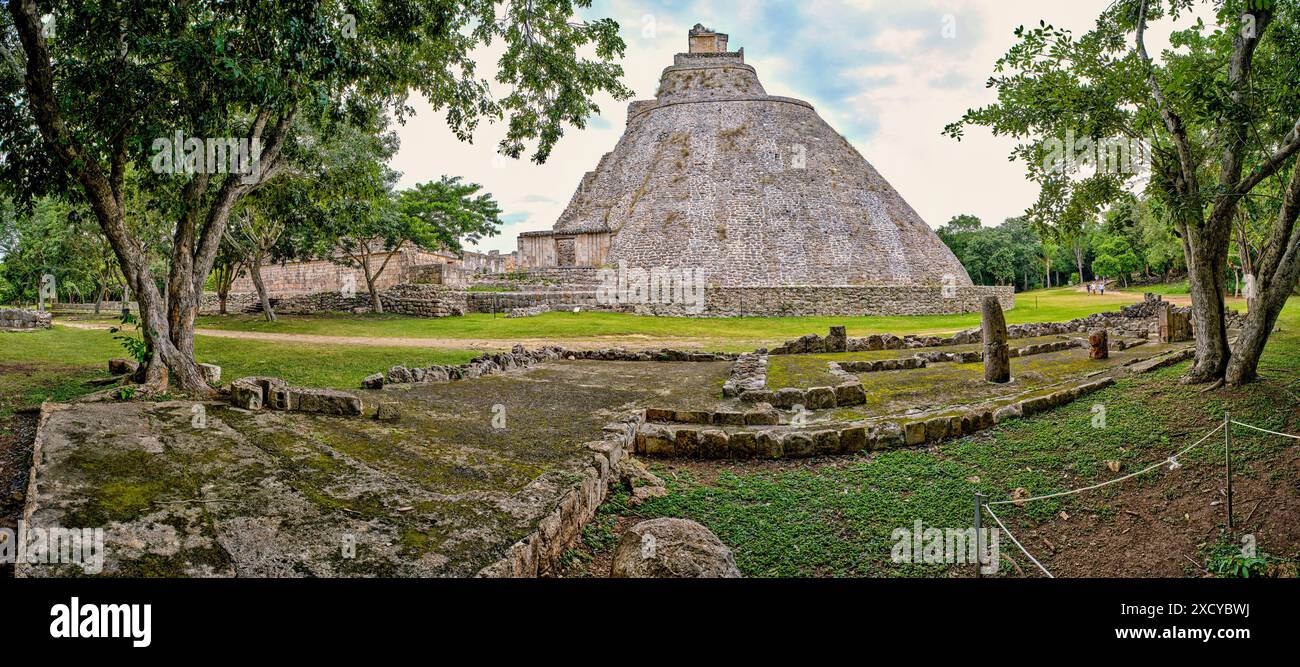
x=406, y=266
x=755, y=189
x=19, y=319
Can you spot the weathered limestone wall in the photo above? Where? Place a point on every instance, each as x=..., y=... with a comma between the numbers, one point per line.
x=500, y=302
x=414, y=300
x=409, y=265
x=548, y=249
x=850, y=301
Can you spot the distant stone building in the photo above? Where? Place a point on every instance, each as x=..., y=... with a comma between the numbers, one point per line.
x=407, y=266
x=754, y=189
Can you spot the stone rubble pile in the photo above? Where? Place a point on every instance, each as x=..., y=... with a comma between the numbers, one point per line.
x=531, y=311
x=487, y=364
x=519, y=357
x=256, y=393
x=749, y=373
x=18, y=318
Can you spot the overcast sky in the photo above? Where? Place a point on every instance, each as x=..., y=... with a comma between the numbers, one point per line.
x=882, y=72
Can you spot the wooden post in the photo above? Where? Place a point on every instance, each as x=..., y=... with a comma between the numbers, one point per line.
x=1227, y=462
x=979, y=547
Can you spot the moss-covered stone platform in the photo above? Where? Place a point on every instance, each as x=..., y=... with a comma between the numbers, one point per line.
x=444, y=491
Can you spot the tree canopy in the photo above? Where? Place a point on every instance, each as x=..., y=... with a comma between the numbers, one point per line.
x=1214, y=117
x=104, y=85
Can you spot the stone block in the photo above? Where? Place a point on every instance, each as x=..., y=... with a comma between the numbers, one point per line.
x=914, y=433
x=388, y=412
x=789, y=397
x=936, y=429
x=246, y=393
x=837, y=340
x=798, y=445
x=714, y=444
x=281, y=397
x=655, y=441
x=850, y=393
x=761, y=396
x=687, y=442
x=820, y=398
x=853, y=439
x=765, y=415
x=827, y=442
x=744, y=444
x=770, y=445
x=693, y=417
x=993, y=325
x=659, y=415
x=890, y=434
x=325, y=402
x=727, y=418
x=1006, y=412
x=375, y=381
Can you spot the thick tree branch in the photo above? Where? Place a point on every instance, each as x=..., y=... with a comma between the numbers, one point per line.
x=1237, y=125
x=1283, y=235
x=1290, y=146
x=1173, y=122
x=234, y=187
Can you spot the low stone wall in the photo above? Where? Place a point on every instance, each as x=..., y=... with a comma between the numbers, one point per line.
x=540, y=552
x=694, y=441
x=519, y=357
x=504, y=302
x=575, y=275
x=844, y=395
x=406, y=299
x=849, y=301
x=16, y=318
x=425, y=301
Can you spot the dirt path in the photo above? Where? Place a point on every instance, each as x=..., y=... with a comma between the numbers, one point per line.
x=590, y=343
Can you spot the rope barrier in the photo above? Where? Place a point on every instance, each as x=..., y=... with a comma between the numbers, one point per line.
x=1264, y=430
x=1021, y=501
x=1017, y=543
x=1172, y=459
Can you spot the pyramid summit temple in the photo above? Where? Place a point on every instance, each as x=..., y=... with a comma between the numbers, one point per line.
x=777, y=210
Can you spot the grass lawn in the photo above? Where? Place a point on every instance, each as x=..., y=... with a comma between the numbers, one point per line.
x=733, y=334
x=834, y=517
x=54, y=364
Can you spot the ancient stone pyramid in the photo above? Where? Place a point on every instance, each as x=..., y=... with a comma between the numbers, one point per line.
x=758, y=190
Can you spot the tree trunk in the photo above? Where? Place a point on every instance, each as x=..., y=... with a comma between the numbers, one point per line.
x=1278, y=272
x=376, y=304
x=1206, y=268
x=1244, y=365
x=256, y=272
x=99, y=299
